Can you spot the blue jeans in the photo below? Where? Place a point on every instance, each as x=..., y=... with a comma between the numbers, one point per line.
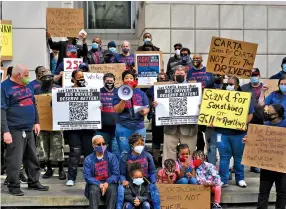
x=144, y=205
x=185, y=180
x=122, y=135
x=211, y=148
x=228, y=146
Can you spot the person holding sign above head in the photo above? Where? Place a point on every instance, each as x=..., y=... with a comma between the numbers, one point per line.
x=125, y=57
x=147, y=37
x=19, y=117
x=282, y=72
x=173, y=61
x=101, y=173
x=78, y=140
x=50, y=143
x=95, y=54
x=274, y=117
x=276, y=97
x=229, y=143
x=130, y=112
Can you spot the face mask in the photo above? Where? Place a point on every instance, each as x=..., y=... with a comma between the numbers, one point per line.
x=196, y=63
x=183, y=158
x=230, y=88
x=138, y=181
x=284, y=67
x=80, y=83
x=133, y=84
x=180, y=78
x=113, y=49
x=73, y=55
x=268, y=117
x=185, y=59
x=125, y=50
x=197, y=163
x=100, y=149
x=254, y=79
x=25, y=80
x=109, y=86
x=94, y=45
x=283, y=88
x=177, y=52
x=146, y=39
x=138, y=149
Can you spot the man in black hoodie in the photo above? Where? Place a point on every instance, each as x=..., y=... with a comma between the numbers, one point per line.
x=147, y=37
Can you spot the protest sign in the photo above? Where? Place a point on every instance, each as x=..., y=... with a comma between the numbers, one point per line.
x=116, y=69
x=76, y=108
x=71, y=64
x=225, y=109
x=64, y=22
x=231, y=57
x=6, y=40
x=44, y=107
x=148, y=65
x=265, y=148
x=272, y=86
x=91, y=79
x=176, y=196
x=177, y=103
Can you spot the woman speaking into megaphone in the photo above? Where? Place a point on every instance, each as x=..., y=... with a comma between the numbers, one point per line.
x=131, y=112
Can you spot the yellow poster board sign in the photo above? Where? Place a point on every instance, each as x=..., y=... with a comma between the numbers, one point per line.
x=225, y=109
x=265, y=148
x=6, y=40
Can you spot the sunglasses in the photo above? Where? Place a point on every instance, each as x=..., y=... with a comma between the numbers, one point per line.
x=101, y=144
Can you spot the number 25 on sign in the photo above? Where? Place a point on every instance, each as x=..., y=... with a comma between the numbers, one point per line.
x=71, y=64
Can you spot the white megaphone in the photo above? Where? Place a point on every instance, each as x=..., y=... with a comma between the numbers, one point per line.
x=125, y=92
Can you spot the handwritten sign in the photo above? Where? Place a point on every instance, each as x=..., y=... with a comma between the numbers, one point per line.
x=225, y=109
x=6, y=40
x=44, y=107
x=176, y=196
x=272, y=86
x=148, y=65
x=231, y=57
x=91, y=79
x=265, y=148
x=71, y=64
x=115, y=69
x=64, y=22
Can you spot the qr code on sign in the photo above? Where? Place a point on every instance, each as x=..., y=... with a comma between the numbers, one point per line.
x=178, y=106
x=78, y=111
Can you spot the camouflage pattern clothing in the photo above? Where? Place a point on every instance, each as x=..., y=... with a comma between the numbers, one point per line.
x=50, y=146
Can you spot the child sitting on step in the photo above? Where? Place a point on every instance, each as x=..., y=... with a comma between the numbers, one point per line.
x=169, y=174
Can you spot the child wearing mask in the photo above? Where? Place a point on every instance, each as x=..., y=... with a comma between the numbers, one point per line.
x=137, y=195
x=207, y=175
x=169, y=174
x=187, y=173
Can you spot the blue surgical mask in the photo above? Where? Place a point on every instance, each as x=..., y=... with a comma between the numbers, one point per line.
x=113, y=49
x=284, y=67
x=230, y=88
x=138, y=181
x=94, y=46
x=283, y=88
x=147, y=39
x=254, y=79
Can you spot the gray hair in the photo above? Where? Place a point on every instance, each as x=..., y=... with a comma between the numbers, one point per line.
x=96, y=137
x=126, y=42
x=18, y=68
x=180, y=68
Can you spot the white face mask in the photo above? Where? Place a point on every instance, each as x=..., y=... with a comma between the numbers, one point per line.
x=138, y=149
x=230, y=88
x=146, y=39
x=177, y=51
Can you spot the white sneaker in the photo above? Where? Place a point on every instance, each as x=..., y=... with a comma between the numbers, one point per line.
x=70, y=183
x=242, y=184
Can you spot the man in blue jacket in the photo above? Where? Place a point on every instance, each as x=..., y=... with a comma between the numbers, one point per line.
x=101, y=173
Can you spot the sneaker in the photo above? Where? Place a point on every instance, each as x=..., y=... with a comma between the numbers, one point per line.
x=70, y=183
x=254, y=170
x=216, y=206
x=223, y=185
x=241, y=184
x=23, y=178
x=16, y=192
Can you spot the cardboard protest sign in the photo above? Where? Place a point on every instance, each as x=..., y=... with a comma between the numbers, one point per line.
x=265, y=148
x=76, y=108
x=116, y=69
x=44, y=107
x=180, y=196
x=64, y=22
x=231, y=57
x=177, y=103
x=272, y=86
x=225, y=109
x=91, y=79
x=148, y=65
x=6, y=40
x=71, y=64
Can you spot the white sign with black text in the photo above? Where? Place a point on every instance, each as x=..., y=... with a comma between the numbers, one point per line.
x=92, y=80
x=178, y=104
x=71, y=64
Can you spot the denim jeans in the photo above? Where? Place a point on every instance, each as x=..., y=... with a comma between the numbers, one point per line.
x=122, y=135
x=228, y=146
x=144, y=205
x=185, y=180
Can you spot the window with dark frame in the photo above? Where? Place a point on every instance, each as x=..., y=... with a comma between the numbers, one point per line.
x=109, y=14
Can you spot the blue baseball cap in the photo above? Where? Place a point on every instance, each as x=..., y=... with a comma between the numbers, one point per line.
x=83, y=66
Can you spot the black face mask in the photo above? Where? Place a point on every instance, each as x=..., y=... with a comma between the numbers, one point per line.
x=80, y=83
x=180, y=78
x=268, y=117
x=109, y=86
x=46, y=85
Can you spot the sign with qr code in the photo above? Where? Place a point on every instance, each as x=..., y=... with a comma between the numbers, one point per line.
x=71, y=64
x=76, y=108
x=178, y=104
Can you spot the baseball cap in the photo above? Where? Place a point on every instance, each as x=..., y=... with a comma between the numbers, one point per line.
x=71, y=48
x=111, y=44
x=255, y=71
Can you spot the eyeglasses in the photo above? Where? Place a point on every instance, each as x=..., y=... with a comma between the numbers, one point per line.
x=101, y=144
